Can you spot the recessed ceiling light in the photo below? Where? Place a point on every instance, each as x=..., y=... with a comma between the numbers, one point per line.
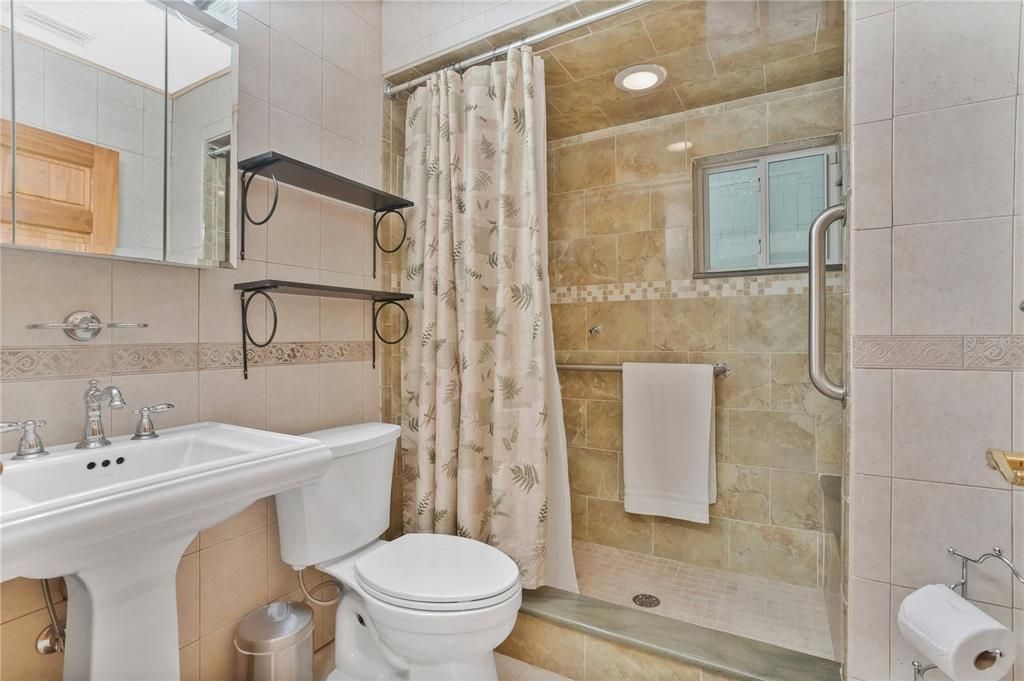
x=640, y=77
x=685, y=145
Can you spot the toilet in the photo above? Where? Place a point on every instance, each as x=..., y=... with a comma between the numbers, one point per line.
x=424, y=607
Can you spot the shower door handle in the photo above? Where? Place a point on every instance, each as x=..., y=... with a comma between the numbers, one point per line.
x=816, y=297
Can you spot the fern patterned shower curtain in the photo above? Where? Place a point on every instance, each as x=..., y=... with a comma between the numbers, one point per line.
x=484, y=453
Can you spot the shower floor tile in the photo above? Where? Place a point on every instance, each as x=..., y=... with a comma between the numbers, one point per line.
x=785, y=615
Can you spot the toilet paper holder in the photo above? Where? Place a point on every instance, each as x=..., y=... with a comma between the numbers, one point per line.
x=960, y=586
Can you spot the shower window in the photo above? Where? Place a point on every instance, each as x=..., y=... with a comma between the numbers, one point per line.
x=754, y=214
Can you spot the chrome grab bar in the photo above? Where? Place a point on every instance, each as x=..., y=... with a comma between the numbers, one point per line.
x=816, y=296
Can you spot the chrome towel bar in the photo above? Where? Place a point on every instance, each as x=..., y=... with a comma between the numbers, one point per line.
x=720, y=368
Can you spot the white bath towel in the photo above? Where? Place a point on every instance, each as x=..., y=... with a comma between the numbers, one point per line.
x=668, y=428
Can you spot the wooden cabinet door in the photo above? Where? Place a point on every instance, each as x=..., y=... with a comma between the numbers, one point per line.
x=67, y=191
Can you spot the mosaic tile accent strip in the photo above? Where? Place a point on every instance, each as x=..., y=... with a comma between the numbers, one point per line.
x=23, y=364
x=154, y=359
x=724, y=287
x=18, y=364
x=994, y=352
x=908, y=352
x=785, y=615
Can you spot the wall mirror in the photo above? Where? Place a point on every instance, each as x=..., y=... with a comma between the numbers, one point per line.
x=117, y=123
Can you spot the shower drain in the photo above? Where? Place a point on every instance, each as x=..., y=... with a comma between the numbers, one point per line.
x=647, y=600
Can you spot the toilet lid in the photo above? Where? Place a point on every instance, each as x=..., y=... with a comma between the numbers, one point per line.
x=437, y=569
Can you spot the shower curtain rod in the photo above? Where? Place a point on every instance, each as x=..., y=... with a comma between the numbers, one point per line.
x=392, y=90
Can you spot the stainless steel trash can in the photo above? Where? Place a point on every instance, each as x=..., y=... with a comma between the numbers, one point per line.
x=275, y=643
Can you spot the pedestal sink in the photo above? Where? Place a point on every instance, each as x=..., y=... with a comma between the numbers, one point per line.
x=115, y=521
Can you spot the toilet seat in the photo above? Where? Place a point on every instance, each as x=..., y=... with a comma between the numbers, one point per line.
x=438, y=573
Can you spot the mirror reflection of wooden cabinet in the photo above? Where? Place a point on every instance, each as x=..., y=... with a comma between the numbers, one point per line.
x=66, y=191
x=123, y=116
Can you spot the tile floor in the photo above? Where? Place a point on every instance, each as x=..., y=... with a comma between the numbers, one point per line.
x=509, y=669
x=785, y=615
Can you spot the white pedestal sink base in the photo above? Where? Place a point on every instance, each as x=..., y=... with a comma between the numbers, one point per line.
x=123, y=618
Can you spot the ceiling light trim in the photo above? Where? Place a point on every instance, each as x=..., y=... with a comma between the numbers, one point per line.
x=640, y=77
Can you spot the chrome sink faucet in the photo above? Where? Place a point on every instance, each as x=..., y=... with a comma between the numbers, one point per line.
x=92, y=435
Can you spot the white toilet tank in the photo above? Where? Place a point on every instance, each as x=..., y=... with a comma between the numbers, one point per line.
x=349, y=506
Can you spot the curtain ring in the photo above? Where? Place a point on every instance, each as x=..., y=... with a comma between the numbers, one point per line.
x=246, y=182
x=245, y=318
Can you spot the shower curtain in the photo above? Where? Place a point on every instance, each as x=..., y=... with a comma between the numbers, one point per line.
x=484, y=452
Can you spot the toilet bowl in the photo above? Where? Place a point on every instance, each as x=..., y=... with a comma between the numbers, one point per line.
x=423, y=607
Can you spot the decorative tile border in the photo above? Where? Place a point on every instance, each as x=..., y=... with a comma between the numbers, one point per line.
x=939, y=352
x=908, y=352
x=68, y=362
x=994, y=352
x=724, y=287
x=154, y=359
x=25, y=364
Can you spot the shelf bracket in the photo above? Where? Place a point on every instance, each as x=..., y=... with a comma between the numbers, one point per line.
x=378, y=218
x=377, y=308
x=247, y=178
x=246, y=334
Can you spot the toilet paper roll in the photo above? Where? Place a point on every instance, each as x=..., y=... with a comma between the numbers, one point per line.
x=955, y=636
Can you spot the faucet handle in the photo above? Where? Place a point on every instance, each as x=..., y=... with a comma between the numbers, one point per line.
x=144, y=429
x=31, y=445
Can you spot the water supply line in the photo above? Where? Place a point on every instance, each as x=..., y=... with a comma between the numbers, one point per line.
x=51, y=639
x=313, y=599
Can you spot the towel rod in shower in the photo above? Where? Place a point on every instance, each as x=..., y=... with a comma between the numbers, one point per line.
x=720, y=368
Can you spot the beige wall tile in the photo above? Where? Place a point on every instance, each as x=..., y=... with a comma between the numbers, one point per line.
x=293, y=234
x=180, y=388
x=609, y=524
x=764, y=45
x=341, y=394
x=189, y=663
x=791, y=388
x=830, y=443
x=225, y=396
x=950, y=54
x=594, y=473
x=298, y=317
x=747, y=387
x=252, y=518
x=1018, y=272
x=566, y=216
x=870, y=527
x=569, y=324
x=743, y=493
x=583, y=121
x=46, y=287
x=295, y=79
x=293, y=398
x=773, y=439
x=141, y=294
x=796, y=500
x=813, y=115
x=638, y=108
x=217, y=654
x=978, y=185
x=724, y=88
x=617, y=210
x=607, y=660
x=690, y=324
x=577, y=262
x=696, y=543
x=871, y=413
x=187, y=586
x=778, y=553
x=345, y=236
x=624, y=326
x=872, y=69
x=642, y=154
x=220, y=316
x=975, y=300
x=20, y=635
x=672, y=207
x=595, y=385
x=547, y=646
x=604, y=424
x=929, y=517
x=872, y=177
x=21, y=596
x=680, y=27
x=232, y=579
x=728, y=131
x=868, y=638
x=643, y=256
x=584, y=165
x=952, y=417
x=768, y=323
x=578, y=507
x=605, y=51
x=803, y=69
x=871, y=286
x=574, y=412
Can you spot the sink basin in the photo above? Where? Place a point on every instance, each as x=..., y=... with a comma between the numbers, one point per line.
x=114, y=521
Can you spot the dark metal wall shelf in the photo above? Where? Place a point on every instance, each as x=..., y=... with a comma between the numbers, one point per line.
x=301, y=289
x=296, y=173
x=264, y=287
